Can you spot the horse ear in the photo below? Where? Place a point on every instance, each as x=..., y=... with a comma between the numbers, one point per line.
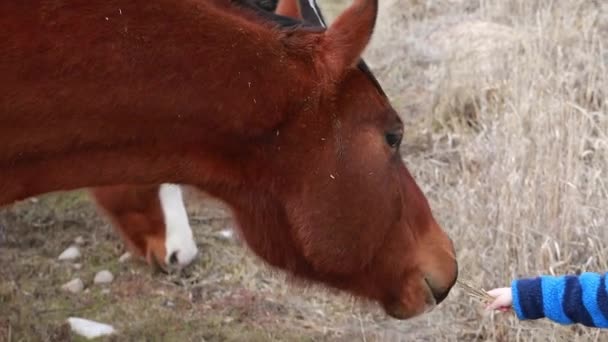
x=289, y=8
x=346, y=39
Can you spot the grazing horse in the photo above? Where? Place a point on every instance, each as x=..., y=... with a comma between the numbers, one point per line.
x=280, y=121
x=152, y=221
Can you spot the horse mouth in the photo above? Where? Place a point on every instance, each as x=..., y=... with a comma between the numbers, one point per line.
x=157, y=266
x=431, y=299
x=398, y=310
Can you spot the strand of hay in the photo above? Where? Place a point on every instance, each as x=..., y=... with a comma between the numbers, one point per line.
x=478, y=294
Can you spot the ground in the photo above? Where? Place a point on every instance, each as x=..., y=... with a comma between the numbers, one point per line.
x=506, y=117
x=225, y=295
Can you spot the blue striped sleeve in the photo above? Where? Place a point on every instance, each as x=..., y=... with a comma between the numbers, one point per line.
x=553, y=291
x=528, y=298
x=594, y=296
x=602, y=296
x=564, y=299
x=573, y=302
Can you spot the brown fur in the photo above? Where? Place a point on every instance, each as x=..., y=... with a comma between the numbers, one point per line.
x=278, y=123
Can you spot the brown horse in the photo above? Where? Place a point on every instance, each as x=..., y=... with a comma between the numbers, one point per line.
x=281, y=122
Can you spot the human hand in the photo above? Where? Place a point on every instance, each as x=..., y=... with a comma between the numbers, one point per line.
x=503, y=299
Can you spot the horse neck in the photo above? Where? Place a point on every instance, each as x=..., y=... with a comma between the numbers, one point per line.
x=147, y=94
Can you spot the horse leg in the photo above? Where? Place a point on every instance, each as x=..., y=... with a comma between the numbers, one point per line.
x=151, y=220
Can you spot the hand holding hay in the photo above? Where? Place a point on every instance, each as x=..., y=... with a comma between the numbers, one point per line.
x=497, y=299
x=502, y=299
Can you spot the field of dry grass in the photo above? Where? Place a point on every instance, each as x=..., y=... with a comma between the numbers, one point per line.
x=506, y=105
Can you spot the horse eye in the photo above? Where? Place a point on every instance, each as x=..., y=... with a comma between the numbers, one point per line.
x=393, y=139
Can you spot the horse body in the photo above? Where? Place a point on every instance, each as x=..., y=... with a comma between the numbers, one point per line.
x=75, y=81
x=282, y=123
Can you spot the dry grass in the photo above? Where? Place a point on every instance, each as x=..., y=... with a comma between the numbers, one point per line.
x=507, y=133
x=472, y=291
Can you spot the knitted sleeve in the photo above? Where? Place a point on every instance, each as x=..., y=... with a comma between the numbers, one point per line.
x=564, y=299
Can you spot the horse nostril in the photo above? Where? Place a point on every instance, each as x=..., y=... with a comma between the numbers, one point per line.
x=439, y=293
x=173, y=258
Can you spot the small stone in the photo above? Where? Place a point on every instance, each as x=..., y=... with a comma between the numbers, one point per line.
x=70, y=254
x=73, y=286
x=79, y=240
x=125, y=257
x=169, y=304
x=226, y=234
x=77, y=266
x=105, y=291
x=103, y=277
x=90, y=329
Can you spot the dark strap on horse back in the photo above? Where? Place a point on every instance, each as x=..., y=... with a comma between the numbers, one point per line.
x=267, y=5
x=311, y=12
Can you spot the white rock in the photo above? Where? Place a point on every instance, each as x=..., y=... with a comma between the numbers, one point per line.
x=226, y=234
x=103, y=277
x=77, y=266
x=79, y=240
x=73, y=286
x=70, y=254
x=125, y=257
x=90, y=329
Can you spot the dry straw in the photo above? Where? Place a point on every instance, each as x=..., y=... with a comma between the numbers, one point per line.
x=475, y=293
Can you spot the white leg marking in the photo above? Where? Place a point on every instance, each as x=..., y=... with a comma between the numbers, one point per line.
x=178, y=238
